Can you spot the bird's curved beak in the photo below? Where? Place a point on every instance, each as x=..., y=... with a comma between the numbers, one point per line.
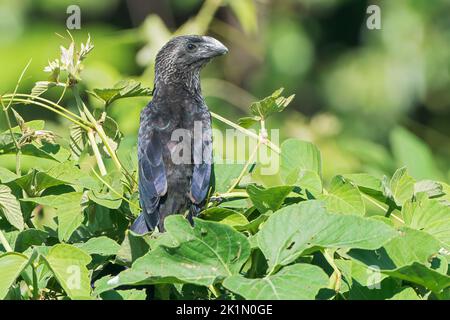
x=213, y=47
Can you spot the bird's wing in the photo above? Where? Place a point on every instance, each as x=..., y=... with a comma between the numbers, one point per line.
x=152, y=173
x=203, y=159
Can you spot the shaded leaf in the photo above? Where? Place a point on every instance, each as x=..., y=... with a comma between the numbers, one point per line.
x=295, y=282
x=291, y=230
x=10, y=208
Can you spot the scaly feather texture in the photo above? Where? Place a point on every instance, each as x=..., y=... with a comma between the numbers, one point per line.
x=175, y=158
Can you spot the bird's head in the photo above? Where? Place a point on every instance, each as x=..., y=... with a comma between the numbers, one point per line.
x=184, y=56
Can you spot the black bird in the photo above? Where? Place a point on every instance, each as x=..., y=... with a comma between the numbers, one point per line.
x=175, y=139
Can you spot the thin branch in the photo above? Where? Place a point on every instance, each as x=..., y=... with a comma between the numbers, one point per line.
x=245, y=169
x=267, y=142
x=5, y=242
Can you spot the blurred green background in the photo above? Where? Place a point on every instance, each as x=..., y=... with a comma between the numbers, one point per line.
x=372, y=100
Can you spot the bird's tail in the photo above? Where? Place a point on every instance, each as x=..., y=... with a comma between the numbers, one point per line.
x=140, y=226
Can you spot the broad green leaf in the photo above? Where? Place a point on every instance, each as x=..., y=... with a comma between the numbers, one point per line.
x=343, y=197
x=431, y=188
x=78, y=140
x=247, y=122
x=64, y=173
x=366, y=282
x=225, y=175
x=422, y=275
x=28, y=238
x=7, y=176
x=11, y=265
x=122, y=89
x=69, y=211
x=406, y=294
x=132, y=294
x=109, y=197
x=268, y=199
x=402, y=186
x=409, y=247
x=413, y=153
x=205, y=254
x=293, y=229
x=133, y=247
x=68, y=264
x=295, y=282
x=301, y=165
x=270, y=105
x=10, y=208
x=113, y=134
x=101, y=245
x=407, y=257
x=225, y=216
x=429, y=215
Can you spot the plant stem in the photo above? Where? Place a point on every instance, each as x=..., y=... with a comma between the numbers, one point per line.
x=244, y=170
x=26, y=101
x=32, y=98
x=5, y=242
x=114, y=191
x=267, y=142
x=35, y=283
x=98, y=156
x=233, y=195
x=328, y=256
x=82, y=108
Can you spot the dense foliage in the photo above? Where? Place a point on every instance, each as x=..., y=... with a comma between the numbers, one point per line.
x=64, y=230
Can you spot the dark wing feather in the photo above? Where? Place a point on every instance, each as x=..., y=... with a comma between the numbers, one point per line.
x=202, y=157
x=152, y=174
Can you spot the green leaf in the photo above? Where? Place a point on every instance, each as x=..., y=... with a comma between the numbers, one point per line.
x=406, y=294
x=431, y=188
x=69, y=211
x=402, y=186
x=301, y=165
x=225, y=174
x=295, y=282
x=268, y=199
x=122, y=89
x=291, y=230
x=407, y=257
x=103, y=246
x=11, y=265
x=68, y=264
x=343, y=197
x=413, y=153
x=247, y=122
x=225, y=216
x=367, y=282
x=7, y=176
x=64, y=173
x=422, y=275
x=133, y=247
x=10, y=208
x=113, y=134
x=78, y=140
x=28, y=238
x=270, y=105
x=202, y=255
x=109, y=197
x=132, y=294
x=429, y=215
x=409, y=247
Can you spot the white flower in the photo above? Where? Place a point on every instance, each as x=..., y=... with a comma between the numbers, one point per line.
x=67, y=57
x=52, y=66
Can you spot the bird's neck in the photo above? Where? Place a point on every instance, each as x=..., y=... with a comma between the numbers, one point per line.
x=176, y=84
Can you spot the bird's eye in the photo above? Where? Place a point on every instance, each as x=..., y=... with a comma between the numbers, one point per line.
x=191, y=47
